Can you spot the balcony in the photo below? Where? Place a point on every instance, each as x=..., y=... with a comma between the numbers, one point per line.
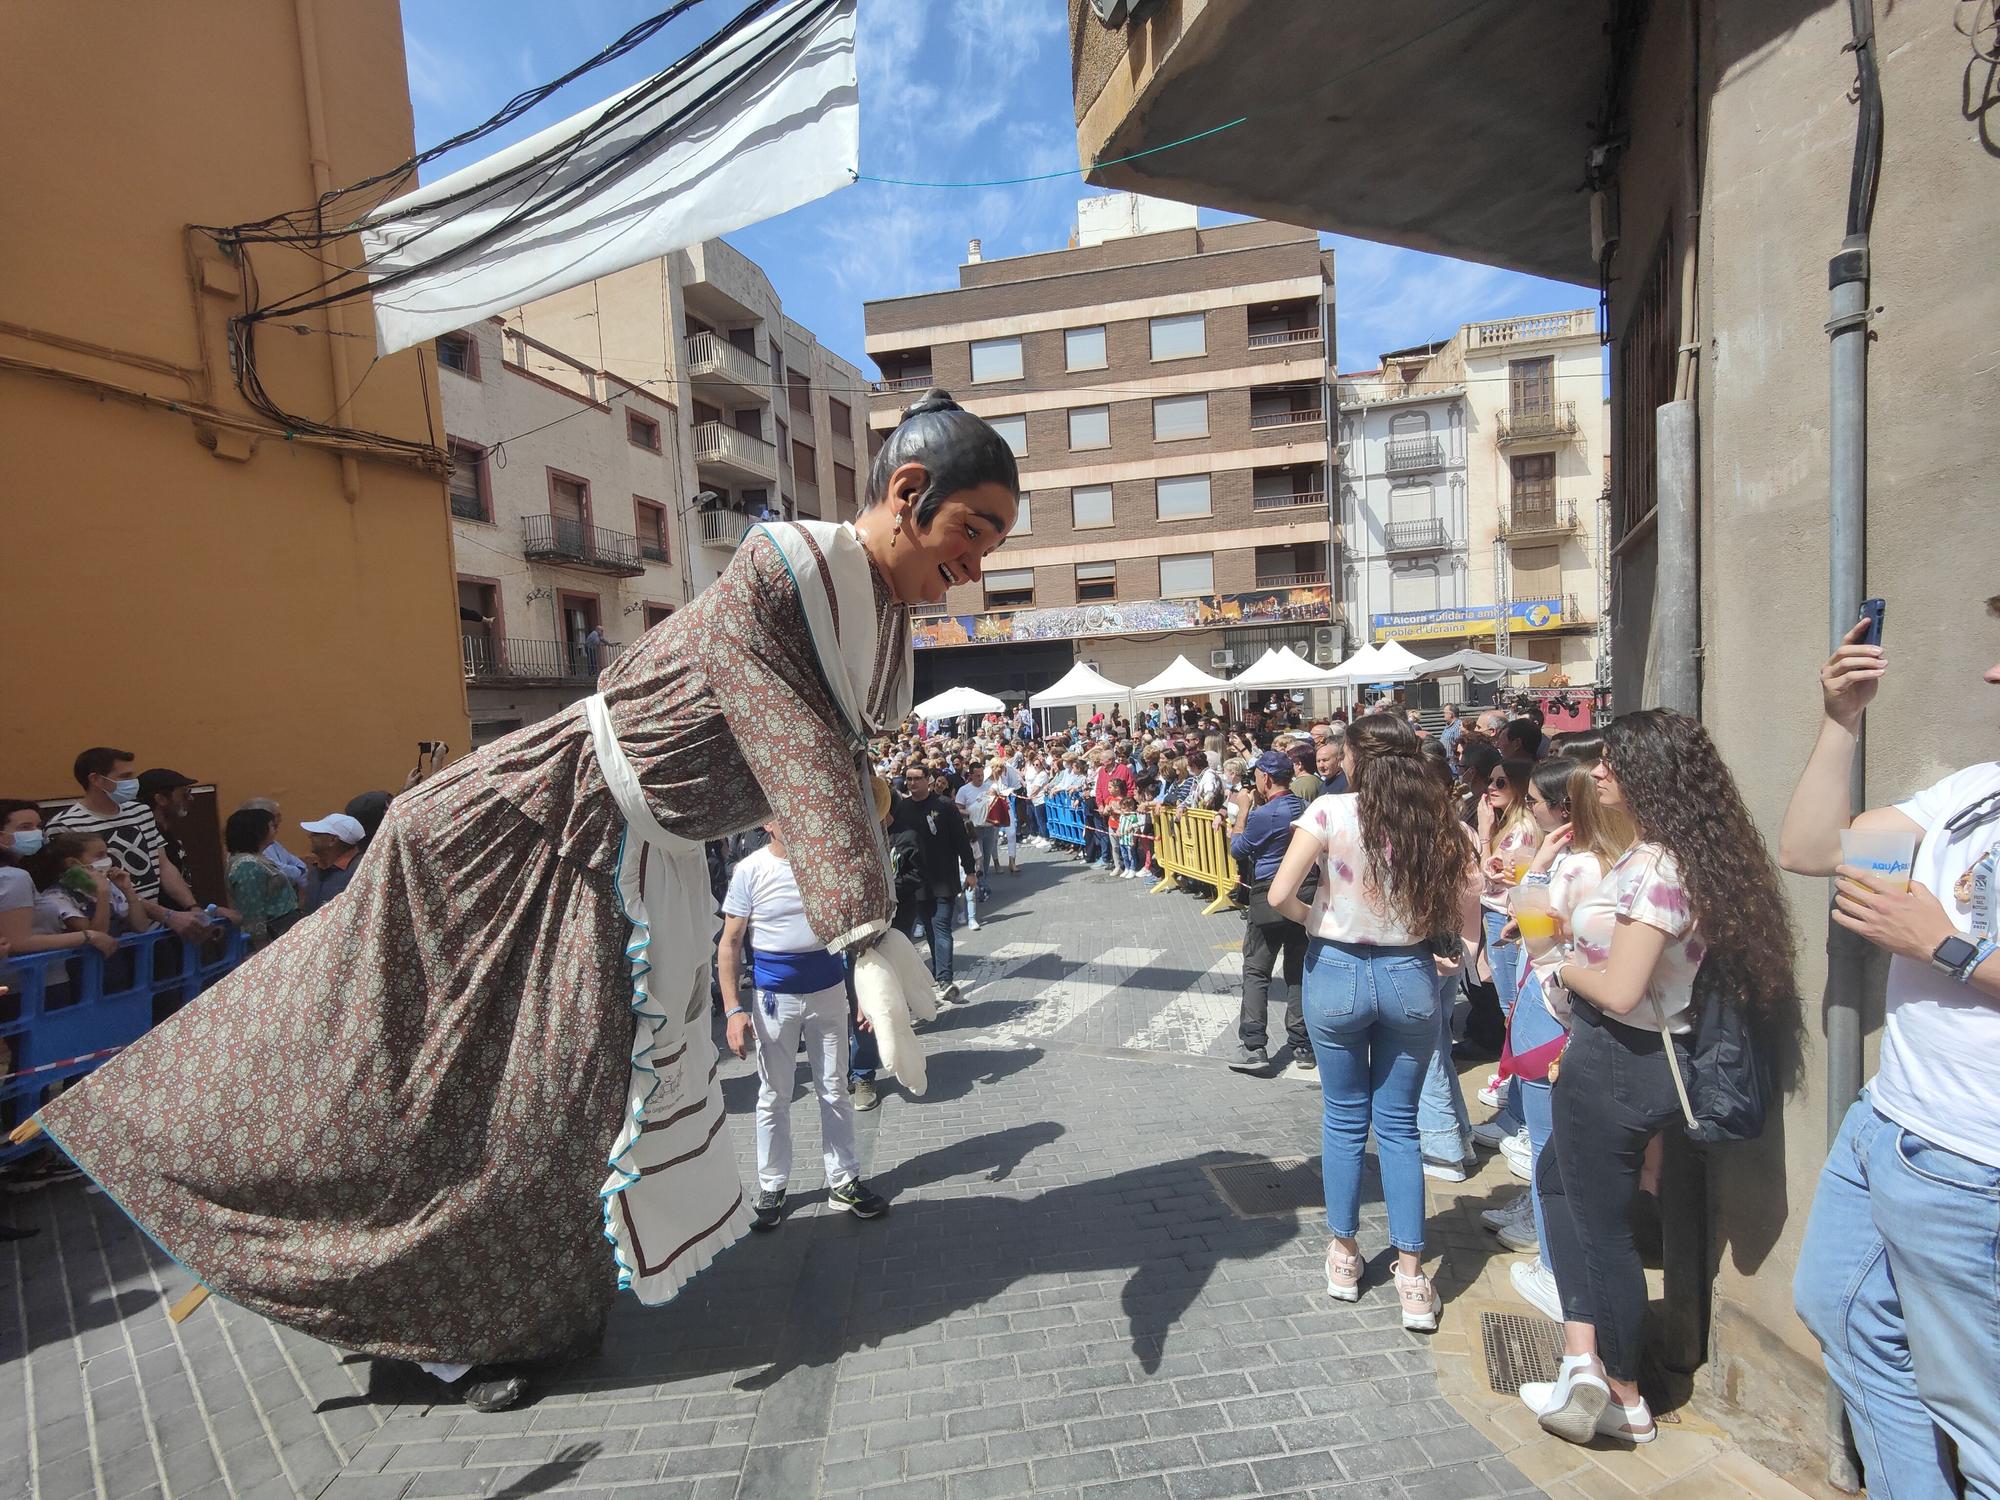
x=559, y=539
x=737, y=456
x=723, y=529
x=1413, y=455
x=1558, y=325
x=713, y=360
x=1282, y=337
x=1405, y=538
x=1292, y=417
x=498, y=661
x=1544, y=422
x=1534, y=523
x=1298, y=500
x=920, y=381
x=1315, y=579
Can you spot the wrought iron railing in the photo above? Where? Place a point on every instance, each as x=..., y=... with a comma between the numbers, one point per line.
x=504, y=658
x=1428, y=535
x=556, y=538
x=1407, y=455
x=1544, y=419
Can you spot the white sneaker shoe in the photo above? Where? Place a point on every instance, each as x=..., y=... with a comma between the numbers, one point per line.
x=1443, y=1171
x=1519, y=1155
x=1494, y=1092
x=1570, y=1405
x=1516, y=1207
x=1535, y=1283
x=1628, y=1424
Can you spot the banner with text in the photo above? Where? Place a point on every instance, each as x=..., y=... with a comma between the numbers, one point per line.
x=1452, y=624
x=1268, y=607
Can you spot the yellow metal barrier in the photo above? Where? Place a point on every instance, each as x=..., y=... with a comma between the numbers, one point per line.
x=1188, y=843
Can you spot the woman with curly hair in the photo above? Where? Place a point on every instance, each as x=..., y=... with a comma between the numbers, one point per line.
x=1698, y=886
x=1397, y=879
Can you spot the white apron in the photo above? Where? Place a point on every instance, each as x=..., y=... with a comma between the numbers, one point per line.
x=673, y=1199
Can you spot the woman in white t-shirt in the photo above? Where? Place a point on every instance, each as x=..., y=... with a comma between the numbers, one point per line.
x=1396, y=875
x=1698, y=885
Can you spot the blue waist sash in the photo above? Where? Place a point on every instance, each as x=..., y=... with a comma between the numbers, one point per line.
x=797, y=973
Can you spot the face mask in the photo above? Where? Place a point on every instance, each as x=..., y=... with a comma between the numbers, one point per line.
x=101, y=865
x=26, y=841
x=125, y=792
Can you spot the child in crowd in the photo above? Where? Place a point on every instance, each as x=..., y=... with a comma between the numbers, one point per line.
x=1131, y=822
x=80, y=888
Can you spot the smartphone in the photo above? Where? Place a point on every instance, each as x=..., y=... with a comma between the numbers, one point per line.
x=1872, y=611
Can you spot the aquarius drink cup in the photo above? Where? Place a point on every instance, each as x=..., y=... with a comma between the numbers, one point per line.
x=1887, y=854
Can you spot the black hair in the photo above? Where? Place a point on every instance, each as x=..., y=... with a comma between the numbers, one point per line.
x=8, y=807
x=369, y=809
x=97, y=761
x=957, y=450
x=1526, y=733
x=1551, y=779
x=247, y=831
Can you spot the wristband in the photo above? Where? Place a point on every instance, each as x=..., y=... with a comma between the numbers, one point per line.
x=732, y=1014
x=1979, y=956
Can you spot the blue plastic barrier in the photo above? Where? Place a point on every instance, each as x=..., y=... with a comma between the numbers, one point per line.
x=68, y=1012
x=1063, y=812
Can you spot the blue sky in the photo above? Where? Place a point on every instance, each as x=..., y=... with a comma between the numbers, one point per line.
x=951, y=90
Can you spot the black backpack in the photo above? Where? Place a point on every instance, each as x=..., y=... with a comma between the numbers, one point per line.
x=1731, y=1084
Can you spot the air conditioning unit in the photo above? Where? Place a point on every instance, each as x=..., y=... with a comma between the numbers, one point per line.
x=1222, y=658
x=1326, y=646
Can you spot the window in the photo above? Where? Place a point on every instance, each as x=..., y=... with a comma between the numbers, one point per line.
x=651, y=520
x=569, y=498
x=1537, y=573
x=842, y=417
x=801, y=392
x=805, y=463
x=1414, y=588
x=642, y=432
x=996, y=359
x=457, y=351
x=1179, y=417
x=843, y=485
x=1181, y=496
x=1531, y=385
x=467, y=483
x=1090, y=427
x=1179, y=337
x=1014, y=429
x=1083, y=348
x=1096, y=581
x=1021, y=517
x=1090, y=505
x=1188, y=573
x=1011, y=588
x=658, y=614
x=1409, y=424
x=1534, y=488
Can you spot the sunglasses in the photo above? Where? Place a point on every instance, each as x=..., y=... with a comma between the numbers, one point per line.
x=1497, y=784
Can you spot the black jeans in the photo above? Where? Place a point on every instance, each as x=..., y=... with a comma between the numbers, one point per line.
x=1263, y=945
x=1612, y=1095
x=1096, y=837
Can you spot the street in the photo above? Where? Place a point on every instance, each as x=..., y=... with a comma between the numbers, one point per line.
x=1063, y=1301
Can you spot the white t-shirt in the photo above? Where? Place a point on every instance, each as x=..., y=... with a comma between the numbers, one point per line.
x=1644, y=885
x=1348, y=908
x=764, y=889
x=974, y=800
x=1940, y=1065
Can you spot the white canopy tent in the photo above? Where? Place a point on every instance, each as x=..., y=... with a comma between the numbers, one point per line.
x=1081, y=684
x=955, y=703
x=1398, y=662
x=1482, y=666
x=1280, y=668
x=1182, y=678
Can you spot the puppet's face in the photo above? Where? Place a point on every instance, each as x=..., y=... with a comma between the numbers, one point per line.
x=927, y=561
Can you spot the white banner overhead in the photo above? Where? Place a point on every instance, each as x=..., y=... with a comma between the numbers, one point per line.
x=766, y=121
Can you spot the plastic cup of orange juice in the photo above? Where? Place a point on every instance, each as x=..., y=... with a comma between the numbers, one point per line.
x=1532, y=913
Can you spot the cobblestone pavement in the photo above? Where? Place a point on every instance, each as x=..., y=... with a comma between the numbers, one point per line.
x=1061, y=1302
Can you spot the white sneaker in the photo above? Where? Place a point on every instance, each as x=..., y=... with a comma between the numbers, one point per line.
x=1490, y=1133
x=1493, y=1093
x=1443, y=1171
x=973, y=924
x=1535, y=1284
x=1569, y=1406
x=1519, y=1155
x=1516, y=1207
x=1630, y=1424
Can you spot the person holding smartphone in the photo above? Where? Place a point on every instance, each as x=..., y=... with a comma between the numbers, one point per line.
x=1896, y=1276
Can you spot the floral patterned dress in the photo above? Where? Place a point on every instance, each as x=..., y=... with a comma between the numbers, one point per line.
x=389, y=1128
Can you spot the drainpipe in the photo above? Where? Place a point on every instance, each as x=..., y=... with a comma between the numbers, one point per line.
x=322, y=180
x=1847, y=581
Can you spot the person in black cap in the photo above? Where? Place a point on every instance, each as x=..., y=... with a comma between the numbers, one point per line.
x=1267, y=831
x=166, y=793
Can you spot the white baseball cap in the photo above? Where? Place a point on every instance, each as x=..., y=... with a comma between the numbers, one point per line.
x=341, y=826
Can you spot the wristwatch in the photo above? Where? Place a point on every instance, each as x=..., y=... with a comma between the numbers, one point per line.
x=1954, y=956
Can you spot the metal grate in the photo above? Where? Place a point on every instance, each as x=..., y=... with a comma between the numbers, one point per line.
x=1259, y=1189
x=1518, y=1350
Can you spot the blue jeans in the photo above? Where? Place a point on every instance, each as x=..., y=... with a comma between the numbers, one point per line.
x=1896, y=1281
x=1532, y=1026
x=1372, y=1016
x=1504, y=959
x=934, y=921
x=1443, y=1127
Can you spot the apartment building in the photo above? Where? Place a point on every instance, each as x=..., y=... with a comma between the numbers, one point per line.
x=770, y=420
x=1165, y=391
x=1472, y=485
x=570, y=514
